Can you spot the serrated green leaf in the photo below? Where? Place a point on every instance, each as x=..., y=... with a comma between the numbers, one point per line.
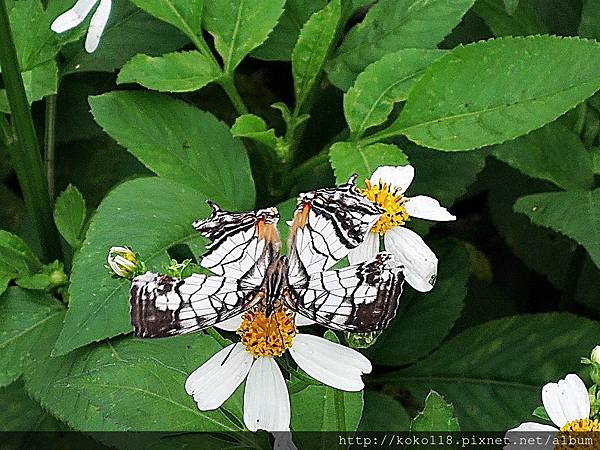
x=69, y=215
x=574, y=214
x=38, y=82
x=392, y=25
x=590, y=19
x=180, y=142
x=383, y=413
x=25, y=318
x=281, y=41
x=385, y=82
x=16, y=258
x=436, y=416
x=348, y=158
x=521, y=22
x=485, y=363
x=150, y=215
x=239, y=26
x=172, y=72
x=129, y=31
x=485, y=93
x=553, y=153
x=426, y=319
x=183, y=14
x=254, y=127
x=20, y=413
x=314, y=44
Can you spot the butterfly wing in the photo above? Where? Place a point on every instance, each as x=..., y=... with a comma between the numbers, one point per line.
x=328, y=223
x=164, y=306
x=359, y=298
x=243, y=245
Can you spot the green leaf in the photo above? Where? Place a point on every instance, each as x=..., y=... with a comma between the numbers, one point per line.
x=183, y=14
x=437, y=416
x=392, y=25
x=20, y=413
x=38, y=281
x=150, y=215
x=485, y=363
x=49, y=382
x=486, y=93
x=16, y=258
x=129, y=31
x=574, y=214
x=155, y=385
x=348, y=158
x=590, y=19
x=540, y=413
x=553, y=153
x=69, y=215
x=385, y=82
x=25, y=318
x=312, y=49
x=383, y=413
x=173, y=72
x=521, y=22
x=239, y=26
x=511, y=6
x=425, y=320
x=180, y=142
x=39, y=82
x=281, y=41
x=254, y=127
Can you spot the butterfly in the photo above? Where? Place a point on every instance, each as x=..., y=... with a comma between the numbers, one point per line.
x=249, y=270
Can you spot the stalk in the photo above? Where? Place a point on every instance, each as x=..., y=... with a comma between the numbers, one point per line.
x=25, y=152
x=50, y=143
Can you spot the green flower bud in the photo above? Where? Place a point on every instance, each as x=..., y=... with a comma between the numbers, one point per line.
x=122, y=261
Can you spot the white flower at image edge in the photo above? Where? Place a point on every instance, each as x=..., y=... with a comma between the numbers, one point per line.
x=266, y=398
x=77, y=14
x=386, y=187
x=567, y=404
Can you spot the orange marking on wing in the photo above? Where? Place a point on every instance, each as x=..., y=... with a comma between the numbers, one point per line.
x=267, y=231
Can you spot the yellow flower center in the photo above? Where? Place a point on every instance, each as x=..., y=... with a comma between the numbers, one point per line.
x=267, y=336
x=581, y=425
x=392, y=201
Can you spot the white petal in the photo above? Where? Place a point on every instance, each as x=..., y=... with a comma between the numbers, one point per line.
x=73, y=17
x=97, y=25
x=283, y=441
x=330, y=363
x=420, y=263
x=266, y=399
x=398, y=177
x=302, y=321
x=366, y=250
x=428, y=208
x=214, y=382
x=231, y=324
x=566, y=400
x=533, y=426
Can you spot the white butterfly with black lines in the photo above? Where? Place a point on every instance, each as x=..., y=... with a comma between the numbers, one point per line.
x=244, y=254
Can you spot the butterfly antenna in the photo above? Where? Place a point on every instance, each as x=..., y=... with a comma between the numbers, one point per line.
x=228, y=355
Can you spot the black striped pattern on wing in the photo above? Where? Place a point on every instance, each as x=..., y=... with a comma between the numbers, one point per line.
x=162, y=306
x=359, y=298
x=328, y=224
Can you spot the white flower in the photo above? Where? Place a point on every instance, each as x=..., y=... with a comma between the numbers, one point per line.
x=266, y=399
x=595, y=356
x=386, y=187
x=122, y=261
x=567, y=404
x=74, y=16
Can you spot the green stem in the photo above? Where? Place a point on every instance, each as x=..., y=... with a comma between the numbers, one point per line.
x=340, y=410
x=50, y=142
x=25, y=153
x=217, y=337
x=228, y=86
x=6, y=134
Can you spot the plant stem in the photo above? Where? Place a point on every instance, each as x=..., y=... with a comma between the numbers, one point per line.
x=228, y=86
x=6, y=134
x=50, y=143
x=217, y=337
x=25, y=153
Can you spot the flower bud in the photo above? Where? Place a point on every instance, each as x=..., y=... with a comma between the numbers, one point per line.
x=595, y=358
x=122, y=261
